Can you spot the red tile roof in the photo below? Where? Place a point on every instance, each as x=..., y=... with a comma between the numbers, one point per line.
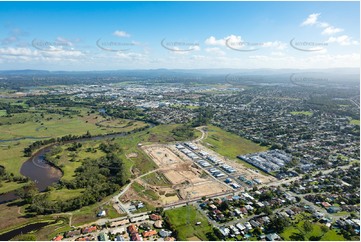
x=155, y=217
x=58, y=238
x=149, y=233
x=132, y=229
x=89, y=229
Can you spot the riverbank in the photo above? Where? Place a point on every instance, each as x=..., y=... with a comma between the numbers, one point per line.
x=45, y=173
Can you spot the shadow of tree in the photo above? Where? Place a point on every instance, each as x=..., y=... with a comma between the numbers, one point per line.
x=297, y=237
x=315, y=238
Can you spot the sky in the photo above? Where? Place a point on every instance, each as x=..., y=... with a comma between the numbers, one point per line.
x=74, y=36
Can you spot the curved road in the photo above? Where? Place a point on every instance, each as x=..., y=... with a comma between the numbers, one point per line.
x=119, y=206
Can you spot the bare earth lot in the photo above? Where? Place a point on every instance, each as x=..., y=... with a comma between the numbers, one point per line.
x=178, y=178
x=183, y=175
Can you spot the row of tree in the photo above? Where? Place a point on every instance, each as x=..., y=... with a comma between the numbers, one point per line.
x=28, y=151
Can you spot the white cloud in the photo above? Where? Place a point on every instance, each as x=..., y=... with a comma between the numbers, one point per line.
x=121, y=34
x=222, y=42
x=342, y=40
x=311, y=20
x=213, y=41
x=18, y=51
x=275, y=44
x=277, y=53
x=331, y=30
x=323, y=24
x=215, y=50
x=64, y=41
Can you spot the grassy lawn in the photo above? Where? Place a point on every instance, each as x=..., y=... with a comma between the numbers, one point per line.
x=64, y=194
x=290, y=232
x=307, y=113
x=2, y=113
x=12, y=157
x=332, y=236
x=228, y=144
x=355, y=122
x=6, y=186
x=184, y=220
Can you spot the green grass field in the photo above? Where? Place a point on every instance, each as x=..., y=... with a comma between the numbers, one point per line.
x=6, y=186
x=228, y=144
x=49, y=126
x=290, y=233
x=64, y=194
x=184, y=220
x=307, y=113
x=68, y=167
x=355, y=122
x=184, y=106
x=2, y=113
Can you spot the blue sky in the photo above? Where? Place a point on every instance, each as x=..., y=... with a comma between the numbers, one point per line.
x=145, y=35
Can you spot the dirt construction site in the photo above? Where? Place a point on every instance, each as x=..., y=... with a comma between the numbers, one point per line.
x=186, y=179
x=178, y=178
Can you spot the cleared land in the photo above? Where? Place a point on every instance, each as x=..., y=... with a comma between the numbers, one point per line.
x=228, y=144
x=180, y=171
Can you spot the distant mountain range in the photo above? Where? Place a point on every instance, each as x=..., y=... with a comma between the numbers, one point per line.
x=341, y=77
x=225, y=71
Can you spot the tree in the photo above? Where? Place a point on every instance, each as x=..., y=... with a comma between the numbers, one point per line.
x=324, y=229
x=27, y=193
x=224, y=206
x=267, y=210
x=211, y=236
x=307, y=226
x=278, y=224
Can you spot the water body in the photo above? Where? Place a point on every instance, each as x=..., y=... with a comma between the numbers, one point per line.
x=45, y=174
x=21, y=138
x=40, y=171
x=23, y=230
